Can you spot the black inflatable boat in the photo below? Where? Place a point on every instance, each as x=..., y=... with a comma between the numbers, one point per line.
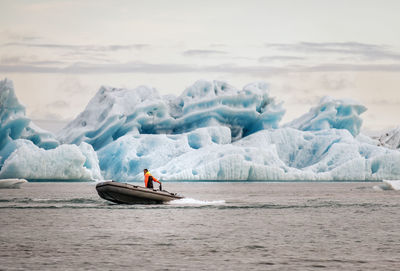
x=124, y=193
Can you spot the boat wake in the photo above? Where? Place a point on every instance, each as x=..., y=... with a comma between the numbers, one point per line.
x=189, y=201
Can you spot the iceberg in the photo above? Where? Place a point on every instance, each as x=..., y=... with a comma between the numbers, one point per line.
x=393, y=184
x=212, y=131
x=388, y=185
x=66, y=162
x=29, y=152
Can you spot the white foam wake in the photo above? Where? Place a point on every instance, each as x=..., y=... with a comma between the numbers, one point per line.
x=189, y=201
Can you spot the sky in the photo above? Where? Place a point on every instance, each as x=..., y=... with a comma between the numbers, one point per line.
x=59, y=53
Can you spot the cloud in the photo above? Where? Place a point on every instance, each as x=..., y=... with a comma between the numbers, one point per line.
x=10, y=60
x=353, y=67
x=97, y=48
x=203, y=52
x=143, y=67
x=335, y=82
x=9, y=35
x=58, y=104
x=332, y=47
x=267, y=59
x=385, y=102
x=137, y=67
x=17, y=60
x=303, y=99
x=368, y=51
x=218, y=45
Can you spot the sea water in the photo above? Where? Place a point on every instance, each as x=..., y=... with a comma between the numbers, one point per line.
x=218, y=226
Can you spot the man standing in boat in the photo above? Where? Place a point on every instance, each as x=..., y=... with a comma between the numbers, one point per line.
x=148, y=179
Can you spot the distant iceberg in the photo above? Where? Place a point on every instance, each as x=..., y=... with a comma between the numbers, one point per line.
x=11, y=183
x=388, y=185
x=393, y=184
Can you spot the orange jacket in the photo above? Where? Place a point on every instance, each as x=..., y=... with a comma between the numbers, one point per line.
x=146, y=178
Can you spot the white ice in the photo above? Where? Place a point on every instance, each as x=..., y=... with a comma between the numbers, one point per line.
x=392, y=184
x=11, y=183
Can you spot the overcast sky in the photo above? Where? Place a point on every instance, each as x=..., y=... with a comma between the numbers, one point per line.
x=59, y=53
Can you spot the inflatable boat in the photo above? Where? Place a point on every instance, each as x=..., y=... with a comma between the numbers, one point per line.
x=124, y=193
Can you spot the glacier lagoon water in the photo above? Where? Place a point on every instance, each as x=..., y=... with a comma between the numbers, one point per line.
x=222, y=226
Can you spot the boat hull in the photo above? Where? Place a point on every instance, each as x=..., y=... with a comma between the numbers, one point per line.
x=123, y=193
